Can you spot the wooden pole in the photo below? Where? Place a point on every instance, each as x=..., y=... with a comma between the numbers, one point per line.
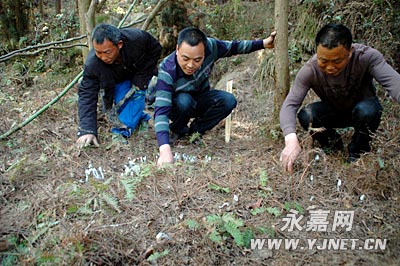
x=228, y=120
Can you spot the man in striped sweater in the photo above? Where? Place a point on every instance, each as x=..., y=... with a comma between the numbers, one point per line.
x=183, y=89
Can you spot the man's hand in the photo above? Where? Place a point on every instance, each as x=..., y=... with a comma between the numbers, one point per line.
x=166, y=156
x=290, y=152
x=86, y=140
x=269, y=42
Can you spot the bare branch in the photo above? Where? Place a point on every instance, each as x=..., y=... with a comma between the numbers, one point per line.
x=42, y=50
x=10, y=55
x=153, y=14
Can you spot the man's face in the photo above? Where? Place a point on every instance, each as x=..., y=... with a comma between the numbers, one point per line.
x=333, y=61
x=107, y=51
x=189, y=57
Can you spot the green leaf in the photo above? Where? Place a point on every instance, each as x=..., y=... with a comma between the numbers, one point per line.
x=257, y=211
x=275, y=211
x=158, y=255
x=192, y=224
x=247, y=236
x=213, y=219
x=110, y=201
x=263, y=178
x=215, y=236
x=298, y=207
x=228, y=218
x=218, y=188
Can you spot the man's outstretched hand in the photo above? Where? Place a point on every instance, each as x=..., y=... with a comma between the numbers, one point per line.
x=86, y=140
x=290, y=152
x=166, y=156
x=269, y=42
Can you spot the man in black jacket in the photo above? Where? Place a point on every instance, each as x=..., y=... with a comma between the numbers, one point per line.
x=120, y=66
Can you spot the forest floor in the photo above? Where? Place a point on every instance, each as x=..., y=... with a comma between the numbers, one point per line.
x=113, y=206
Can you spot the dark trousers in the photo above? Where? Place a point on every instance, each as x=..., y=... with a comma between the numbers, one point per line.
x=365, y=117
x=208, y=109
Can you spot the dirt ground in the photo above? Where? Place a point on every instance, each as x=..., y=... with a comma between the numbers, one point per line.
x=196, y=212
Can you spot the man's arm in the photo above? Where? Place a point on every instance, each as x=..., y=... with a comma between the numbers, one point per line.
x=229, y=48
x=87, y=109
x=162, y=110
x=384, y=74
x=288, y=113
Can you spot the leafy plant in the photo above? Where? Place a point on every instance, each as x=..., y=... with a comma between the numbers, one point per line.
x=158, y=255
x=293, y=205
x=227, y=225
x=219, y=188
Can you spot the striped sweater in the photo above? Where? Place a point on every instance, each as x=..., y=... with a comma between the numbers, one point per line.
x=171, y=78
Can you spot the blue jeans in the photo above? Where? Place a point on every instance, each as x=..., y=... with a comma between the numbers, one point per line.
x=207, y=108
x=365, y=117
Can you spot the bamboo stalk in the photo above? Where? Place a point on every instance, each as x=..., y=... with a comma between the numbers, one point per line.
x=228, y=120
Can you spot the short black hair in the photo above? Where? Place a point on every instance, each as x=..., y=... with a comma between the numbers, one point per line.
x=332, y=35
x=106, y=31
x=193, y=36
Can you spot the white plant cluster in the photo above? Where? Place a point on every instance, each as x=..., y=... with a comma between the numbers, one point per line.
x=93, y=172
x=133, y=166
x=186, y=158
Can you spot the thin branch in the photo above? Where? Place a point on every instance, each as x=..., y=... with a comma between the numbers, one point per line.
x=9, y=55
x=153, y=13
x=44, y=49
x=134, y=23
x=127, y=13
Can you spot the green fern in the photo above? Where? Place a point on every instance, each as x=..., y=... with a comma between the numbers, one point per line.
x=263, y=178
x=293, y=205
x=213, y=219
x=129, y=187
x=158, y=255
x=257, y=211
x=275, y=211
x=247, y=235
x=192, y=224
x=218, y=188
x=110, y=201
x=229, y=218
x=234, y=231
x=215, y=236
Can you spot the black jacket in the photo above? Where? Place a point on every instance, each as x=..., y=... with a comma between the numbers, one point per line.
x=140, y=54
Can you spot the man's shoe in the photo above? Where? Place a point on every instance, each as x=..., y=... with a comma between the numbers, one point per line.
x=174, y=137
x=355, y=151
x=330, y=141
x=118, y=139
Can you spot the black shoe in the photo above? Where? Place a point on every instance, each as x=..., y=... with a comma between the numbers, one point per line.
x=174, y=137
x=330, y=141
x=355, y=151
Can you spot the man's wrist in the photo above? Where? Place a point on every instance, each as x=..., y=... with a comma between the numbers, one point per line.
x=290, y=137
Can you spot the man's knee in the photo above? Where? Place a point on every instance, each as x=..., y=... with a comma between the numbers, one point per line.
x=184, y=103
x=368, y=112
x=305, y=117
x=230, y=101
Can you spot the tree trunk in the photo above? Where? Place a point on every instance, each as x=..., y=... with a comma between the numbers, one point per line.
x=282, y=81
x=58, y=6
x=41, y=8
x=86, y=22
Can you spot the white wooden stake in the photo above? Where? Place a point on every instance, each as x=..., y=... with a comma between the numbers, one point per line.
x=228, y=120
